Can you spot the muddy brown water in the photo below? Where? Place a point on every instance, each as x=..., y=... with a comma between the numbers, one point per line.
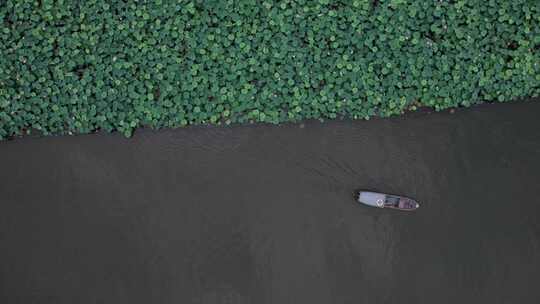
x=265, y=214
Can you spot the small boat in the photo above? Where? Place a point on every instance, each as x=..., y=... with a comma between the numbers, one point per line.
x=382, y=200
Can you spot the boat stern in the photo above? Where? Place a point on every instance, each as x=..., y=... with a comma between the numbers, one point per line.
x=373, y=199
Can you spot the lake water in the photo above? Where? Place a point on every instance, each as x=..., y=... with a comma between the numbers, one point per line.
x=265, y=214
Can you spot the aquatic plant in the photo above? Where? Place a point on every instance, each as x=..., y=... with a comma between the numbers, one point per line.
x=79, y=66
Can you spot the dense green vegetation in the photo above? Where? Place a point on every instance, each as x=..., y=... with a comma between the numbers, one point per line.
x=78, y=66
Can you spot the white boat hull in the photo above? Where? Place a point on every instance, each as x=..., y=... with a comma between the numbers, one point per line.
x=382, y=200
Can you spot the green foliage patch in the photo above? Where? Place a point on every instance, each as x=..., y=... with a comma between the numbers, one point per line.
x=79, y=66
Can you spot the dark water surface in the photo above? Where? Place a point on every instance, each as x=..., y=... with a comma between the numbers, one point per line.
x=264, y=214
